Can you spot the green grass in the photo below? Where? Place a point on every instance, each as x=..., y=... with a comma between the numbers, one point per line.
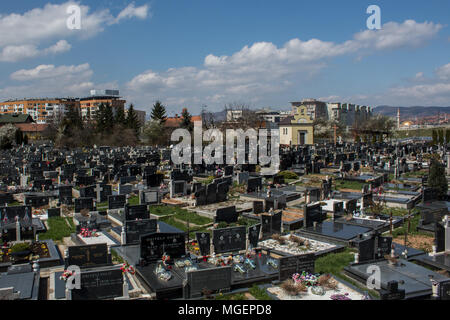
x=182, y=226
x=415, y=174
x=236, y=296
x=58, y=229
x=14, y=204
x=192, y=217
x=334, y=263
x=344, y=184
x=414, y=133
x=181, y=214
x=259, y=293
x=133, y=201
x=413, y=228
x=102, y=205
x=173, y=222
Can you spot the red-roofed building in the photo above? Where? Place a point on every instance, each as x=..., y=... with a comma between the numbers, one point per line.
x=175, y=122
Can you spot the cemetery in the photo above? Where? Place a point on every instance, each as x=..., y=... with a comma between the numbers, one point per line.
x=140, y=227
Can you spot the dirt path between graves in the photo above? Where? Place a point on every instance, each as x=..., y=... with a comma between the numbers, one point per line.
x=419, y=242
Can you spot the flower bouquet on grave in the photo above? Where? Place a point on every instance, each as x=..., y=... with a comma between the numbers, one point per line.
x=162, y=273
x=126, y=268
x=272, y=262
x=307, y=278
x=249, y=262
x=166, y=260
x=179, y=263
x=66, y=275
x=239, y=268
x=238, y=259
x=340, y=297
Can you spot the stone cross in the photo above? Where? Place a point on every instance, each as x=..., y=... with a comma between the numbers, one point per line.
x=98, y=189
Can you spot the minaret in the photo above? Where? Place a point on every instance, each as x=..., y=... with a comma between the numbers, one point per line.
x=398, y=118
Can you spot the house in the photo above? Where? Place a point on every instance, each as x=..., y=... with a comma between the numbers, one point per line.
x=15, y=118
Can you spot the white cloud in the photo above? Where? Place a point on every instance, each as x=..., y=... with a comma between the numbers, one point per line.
x=53, y=81
x=50, y=71
x=433, y=90
x=23, y=35
x=443, y=72
x=133, y=12
x=263, y=69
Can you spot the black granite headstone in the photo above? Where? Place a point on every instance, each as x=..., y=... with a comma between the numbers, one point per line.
x=204, y=242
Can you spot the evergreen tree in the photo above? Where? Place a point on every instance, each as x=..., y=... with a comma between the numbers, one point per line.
x=100, y=118
x=132, y=121
x=447, y=136
x=437, y=179
x=72, y=119
x=186, y=121
x=120, y=117
x=435, y=137
x=19, y=137
x=108, y=118
x=441, y=136
x=159, y=112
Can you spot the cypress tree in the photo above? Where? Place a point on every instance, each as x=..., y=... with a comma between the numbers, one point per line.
x=437, y=179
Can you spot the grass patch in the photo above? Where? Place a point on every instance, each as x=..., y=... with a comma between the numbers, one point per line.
x=334, y=263
x=259, y=293
x=14, y=204
x=181, y=214
x=415, y=174
x=236, y=296
x=58, y=229
x=133, y=201
x=102, y=205
x=413, y=229
x=346, y=184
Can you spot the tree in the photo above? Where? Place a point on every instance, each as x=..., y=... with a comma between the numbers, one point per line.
x=25, y=139
x=435, y=137
x=155, y=133
x=72, y=120
x=7, y=136
x=132, y=121
x=108, y=118
x=120, y=117
x=447, y=136
x=100, y=124
x=159, y=112
x=186, y=121
x=19, y=137
x=441, y=136
x=437, y=179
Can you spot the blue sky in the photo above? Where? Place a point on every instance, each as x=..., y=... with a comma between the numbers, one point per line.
x=259, y=53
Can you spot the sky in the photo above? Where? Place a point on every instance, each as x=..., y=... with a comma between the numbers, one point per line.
x=207, y=54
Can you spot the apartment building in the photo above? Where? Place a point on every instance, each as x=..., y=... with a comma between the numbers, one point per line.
x=41, y=110
x=89, y=105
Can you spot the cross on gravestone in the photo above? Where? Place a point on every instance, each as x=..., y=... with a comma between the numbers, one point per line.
x=98, y=189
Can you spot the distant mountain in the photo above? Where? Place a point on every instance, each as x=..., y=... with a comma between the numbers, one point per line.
x=411, y=112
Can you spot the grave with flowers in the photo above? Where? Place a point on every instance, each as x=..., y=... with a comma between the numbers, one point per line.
x=99, y=278
x=311, y=286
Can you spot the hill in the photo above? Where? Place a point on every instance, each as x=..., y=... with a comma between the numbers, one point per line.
x=411, y=112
